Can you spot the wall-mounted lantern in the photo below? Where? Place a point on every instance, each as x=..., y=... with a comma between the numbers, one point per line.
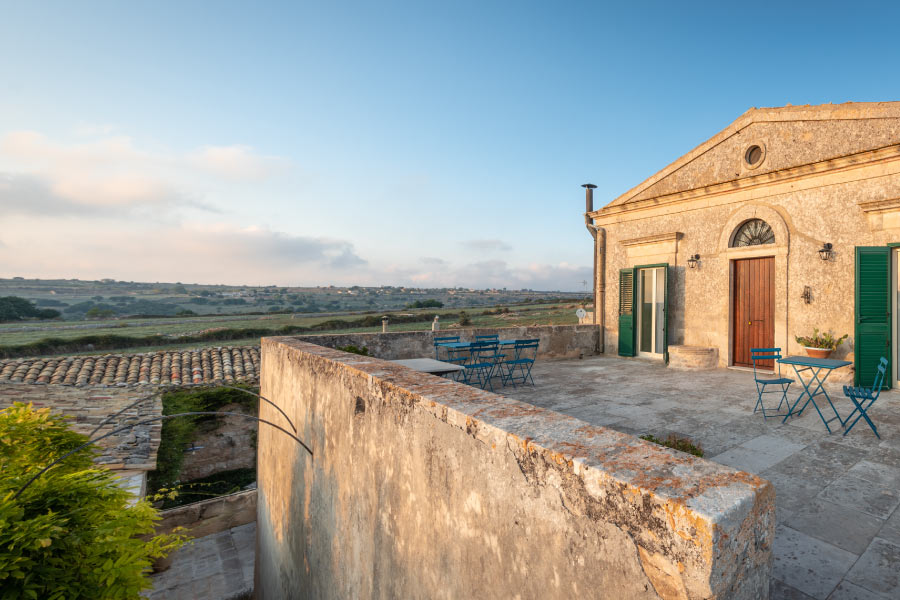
x=807, y=294
x=693, y=260
x=826, y=253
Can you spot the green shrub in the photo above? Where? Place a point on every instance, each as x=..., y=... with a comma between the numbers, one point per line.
x=195, y=490
x=676, y=443
x=178, y=433
x=464, y=318
x=71, y=534
x=364, y=351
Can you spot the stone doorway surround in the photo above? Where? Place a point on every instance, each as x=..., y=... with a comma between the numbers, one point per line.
x=779, y=250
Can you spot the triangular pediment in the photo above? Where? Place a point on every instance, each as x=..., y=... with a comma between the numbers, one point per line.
x=788, y=137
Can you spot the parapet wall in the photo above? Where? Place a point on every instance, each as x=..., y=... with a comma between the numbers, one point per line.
x=556, y=341
x=421, y=487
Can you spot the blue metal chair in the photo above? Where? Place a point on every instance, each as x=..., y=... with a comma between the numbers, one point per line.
x=487, y=338
x=524, y=355
x=782, y=383
x=863, y=398
x=479, y=370
x=439, y=343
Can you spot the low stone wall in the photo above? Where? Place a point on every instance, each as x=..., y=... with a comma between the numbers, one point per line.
x=210, y=516
x=556, y=341
x=229, y=445
x=693, y=358
x=421, y=487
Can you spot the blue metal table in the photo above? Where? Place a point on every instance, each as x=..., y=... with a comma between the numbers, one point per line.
x=814, y=366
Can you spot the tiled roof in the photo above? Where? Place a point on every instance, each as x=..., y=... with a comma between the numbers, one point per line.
x=133, y=449
x=179, y=367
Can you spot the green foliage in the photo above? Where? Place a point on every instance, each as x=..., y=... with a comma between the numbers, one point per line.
x=431, y=303
x=13, y=308
x=178, y=433
x=464, y=318
x=71, y=534
x=825, y=340
x=676, y=443
x=219, y=484
x=100, y=313
x=364, y=351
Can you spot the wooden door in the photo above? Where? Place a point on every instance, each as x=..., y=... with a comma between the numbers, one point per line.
x=753, y=324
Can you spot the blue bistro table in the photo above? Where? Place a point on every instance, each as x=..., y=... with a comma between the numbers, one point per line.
x=814, y=366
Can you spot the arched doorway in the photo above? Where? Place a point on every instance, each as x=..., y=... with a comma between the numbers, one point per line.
x=753, y=294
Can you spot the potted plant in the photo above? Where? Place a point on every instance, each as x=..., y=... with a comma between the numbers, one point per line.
x=820, y=345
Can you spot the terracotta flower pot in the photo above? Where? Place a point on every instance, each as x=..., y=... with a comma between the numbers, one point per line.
x=818, y=352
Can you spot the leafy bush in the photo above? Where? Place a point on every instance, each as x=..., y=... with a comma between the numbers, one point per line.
x=464, y=318
x=13, y=308
x=195, y=490
x=431, y=303
x=178, y=433
x=71, y=534
x=364, y=351
x=825, y=340
x=676, y=443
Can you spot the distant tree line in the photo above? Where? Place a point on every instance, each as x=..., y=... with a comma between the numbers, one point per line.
x=13, y=308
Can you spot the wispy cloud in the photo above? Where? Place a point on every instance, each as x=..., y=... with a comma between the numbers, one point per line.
x=112, y=172
x=236, y=162
x=487, y=245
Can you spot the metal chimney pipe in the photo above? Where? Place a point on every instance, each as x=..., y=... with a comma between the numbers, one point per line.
x=589, y=197
x=594, y=231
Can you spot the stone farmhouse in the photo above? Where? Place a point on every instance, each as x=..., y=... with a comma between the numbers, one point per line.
x=785, y=221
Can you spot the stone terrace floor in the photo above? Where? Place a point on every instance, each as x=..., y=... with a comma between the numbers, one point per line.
x=838, y=531
x=214, y=567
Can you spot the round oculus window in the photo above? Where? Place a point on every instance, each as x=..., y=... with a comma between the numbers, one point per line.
x=754, y=155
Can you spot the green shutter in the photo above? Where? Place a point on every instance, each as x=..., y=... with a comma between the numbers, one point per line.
x=666, y=316
x=873, y=312
x=626, y=312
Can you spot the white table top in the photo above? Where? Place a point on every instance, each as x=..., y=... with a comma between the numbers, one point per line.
x=429, y=365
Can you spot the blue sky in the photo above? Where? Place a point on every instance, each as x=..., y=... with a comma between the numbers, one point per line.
x=379, y=143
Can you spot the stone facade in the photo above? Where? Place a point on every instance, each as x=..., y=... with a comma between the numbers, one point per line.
x=131, y=450
x=422, y=487
x=828, y=174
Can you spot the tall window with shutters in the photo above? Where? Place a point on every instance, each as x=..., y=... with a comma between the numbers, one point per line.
x=626, y=312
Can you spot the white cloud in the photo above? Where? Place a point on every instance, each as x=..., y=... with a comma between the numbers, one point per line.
x=114, y=173
x=236, y=162
x=217, y=253
x=487, y=245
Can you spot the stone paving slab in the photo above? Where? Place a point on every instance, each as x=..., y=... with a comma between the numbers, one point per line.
x=214, y=567
x=837, y=498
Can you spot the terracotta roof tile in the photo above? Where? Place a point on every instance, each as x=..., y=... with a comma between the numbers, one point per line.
x=182, y=367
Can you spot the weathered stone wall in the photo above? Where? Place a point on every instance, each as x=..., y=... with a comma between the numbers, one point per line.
x=805, y=212
x=229, y=445
x=210, y=516
x=133, y=449
x=421, y=487
x=556, y=341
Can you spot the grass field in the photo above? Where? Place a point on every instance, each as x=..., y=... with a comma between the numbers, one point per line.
x=12, y=335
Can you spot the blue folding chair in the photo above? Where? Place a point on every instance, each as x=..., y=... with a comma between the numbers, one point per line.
x=863, y=398
x=524, y=355
x=487, y=338
x=782, y=383
x=439, y=343
x=483, y=361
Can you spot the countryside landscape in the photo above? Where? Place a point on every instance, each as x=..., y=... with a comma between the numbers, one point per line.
x=106, y=316
x=454, y=301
